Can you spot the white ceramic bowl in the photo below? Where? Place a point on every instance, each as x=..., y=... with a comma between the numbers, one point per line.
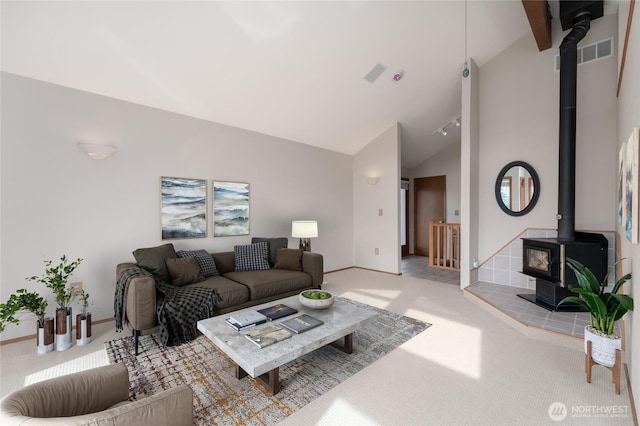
x=317, y=303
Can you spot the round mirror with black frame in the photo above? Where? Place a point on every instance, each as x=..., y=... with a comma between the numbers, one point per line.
x=517, y=188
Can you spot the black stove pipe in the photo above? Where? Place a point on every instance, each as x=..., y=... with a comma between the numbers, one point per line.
x=567, y=143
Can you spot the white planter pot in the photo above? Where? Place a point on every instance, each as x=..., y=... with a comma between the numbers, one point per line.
x=83, y=329
x=64, y=336
x=45, y=337
x=603, y=349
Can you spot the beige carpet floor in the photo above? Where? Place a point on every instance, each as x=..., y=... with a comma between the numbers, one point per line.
x=470, y=367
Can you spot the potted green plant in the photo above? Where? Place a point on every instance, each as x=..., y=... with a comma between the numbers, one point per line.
x=24, y=301
x=55, y=278
x=83, y=321
x=605, y=309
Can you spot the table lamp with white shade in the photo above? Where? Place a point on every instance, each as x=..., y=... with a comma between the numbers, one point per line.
x=305, y=230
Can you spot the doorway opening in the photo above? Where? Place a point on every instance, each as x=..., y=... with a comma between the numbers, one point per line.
x=429, y=204
x=404, y=217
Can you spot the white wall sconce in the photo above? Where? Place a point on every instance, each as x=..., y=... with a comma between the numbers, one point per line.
x=373, y=180
x=96, y=151
x=305, y=230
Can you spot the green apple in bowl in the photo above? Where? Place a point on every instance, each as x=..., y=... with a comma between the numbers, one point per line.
x=316, y=299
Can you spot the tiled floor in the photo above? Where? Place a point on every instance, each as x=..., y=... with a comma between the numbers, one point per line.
x=505, y=298
x=417, y=266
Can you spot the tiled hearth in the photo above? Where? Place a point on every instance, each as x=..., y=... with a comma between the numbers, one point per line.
x=506, y=300
x=499, y=279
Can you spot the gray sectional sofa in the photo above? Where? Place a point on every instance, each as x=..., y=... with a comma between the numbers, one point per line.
x=279, y=273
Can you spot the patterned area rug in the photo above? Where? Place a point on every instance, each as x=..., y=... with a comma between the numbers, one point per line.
x=219, y=398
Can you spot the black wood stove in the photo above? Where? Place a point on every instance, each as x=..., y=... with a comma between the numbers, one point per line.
x=545, y=258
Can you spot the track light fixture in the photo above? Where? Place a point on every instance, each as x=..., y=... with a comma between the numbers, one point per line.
x=443, y=130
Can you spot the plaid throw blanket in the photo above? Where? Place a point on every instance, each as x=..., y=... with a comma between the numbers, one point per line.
x=178, y=308
x=120, y=297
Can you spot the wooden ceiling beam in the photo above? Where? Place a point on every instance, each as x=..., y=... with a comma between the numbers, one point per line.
x=540, y=21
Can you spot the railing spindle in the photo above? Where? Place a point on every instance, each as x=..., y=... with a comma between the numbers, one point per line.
x=444, y=245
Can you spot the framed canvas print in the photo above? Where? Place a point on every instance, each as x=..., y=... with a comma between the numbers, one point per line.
x=230, y=208
x=184, y=208
x=631, y=187
x=621, y=184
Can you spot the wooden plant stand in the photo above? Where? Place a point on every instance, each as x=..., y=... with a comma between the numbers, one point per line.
x=615, y=370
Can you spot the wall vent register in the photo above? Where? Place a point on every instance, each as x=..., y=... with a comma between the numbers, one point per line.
x=589, y=53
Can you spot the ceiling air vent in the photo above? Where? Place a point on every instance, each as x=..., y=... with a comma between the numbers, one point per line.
x=589, y=53
x=375, y=73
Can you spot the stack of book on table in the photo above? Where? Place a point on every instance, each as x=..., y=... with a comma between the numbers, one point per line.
x=243, y=320
x=273, y=333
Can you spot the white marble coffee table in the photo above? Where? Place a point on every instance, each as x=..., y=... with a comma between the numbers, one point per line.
x=340, y=321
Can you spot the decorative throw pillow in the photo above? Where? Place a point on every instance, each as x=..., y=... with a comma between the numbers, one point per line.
x=274, y=244
x=207, y=265
x=184, y=271
x=290, y=259
x=252, y=257
x=153, y=260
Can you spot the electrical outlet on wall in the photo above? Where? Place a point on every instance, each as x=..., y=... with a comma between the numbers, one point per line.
x=76, y=288
x=377, y=250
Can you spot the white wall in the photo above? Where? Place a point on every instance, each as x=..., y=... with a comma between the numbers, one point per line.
x=628, y=118
x=519, y=97
x=445, y=163
x=380, y=158
x=55, y=200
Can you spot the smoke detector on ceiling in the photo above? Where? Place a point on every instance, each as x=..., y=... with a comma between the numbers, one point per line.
x=398, y=76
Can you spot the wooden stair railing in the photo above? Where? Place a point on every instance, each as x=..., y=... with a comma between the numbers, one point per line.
x=444, y=245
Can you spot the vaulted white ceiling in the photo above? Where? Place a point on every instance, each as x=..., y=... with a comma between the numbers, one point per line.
x=289, y=69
